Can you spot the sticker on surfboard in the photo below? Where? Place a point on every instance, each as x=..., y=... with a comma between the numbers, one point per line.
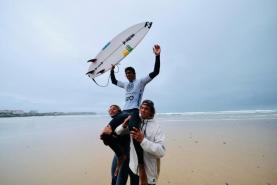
x=117, y=49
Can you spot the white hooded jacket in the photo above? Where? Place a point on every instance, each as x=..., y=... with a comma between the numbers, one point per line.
x=153, y=149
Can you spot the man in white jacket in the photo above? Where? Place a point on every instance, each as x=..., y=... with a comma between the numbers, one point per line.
x=151, y=139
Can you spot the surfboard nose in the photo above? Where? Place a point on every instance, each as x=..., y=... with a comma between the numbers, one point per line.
x=118, y=48
x=148, y=24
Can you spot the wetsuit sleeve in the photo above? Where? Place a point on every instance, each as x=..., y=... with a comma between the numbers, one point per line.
x=114, y=80
x=153, y=74
x=114, y=123
x=156, y=68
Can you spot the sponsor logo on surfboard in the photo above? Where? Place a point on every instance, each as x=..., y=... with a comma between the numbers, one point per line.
x=148, y=25
x=117, y=49
x=106, y=45
x=128, y=38
x=127, y=50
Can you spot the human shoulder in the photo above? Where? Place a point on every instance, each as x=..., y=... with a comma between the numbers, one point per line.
x=145, y=80
x=121, y=84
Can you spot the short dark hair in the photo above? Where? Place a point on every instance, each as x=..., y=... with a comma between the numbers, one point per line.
x=150, y=104
x=130, y=69
x=117, y=107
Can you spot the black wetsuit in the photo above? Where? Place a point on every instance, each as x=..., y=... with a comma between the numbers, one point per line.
x=114, y=141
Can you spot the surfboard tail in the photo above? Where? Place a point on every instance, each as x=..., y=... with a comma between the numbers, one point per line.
x=118, y=48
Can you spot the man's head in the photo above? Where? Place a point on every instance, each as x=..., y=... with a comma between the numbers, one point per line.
x=114, y=110
x=147, y=109
x=130, y=73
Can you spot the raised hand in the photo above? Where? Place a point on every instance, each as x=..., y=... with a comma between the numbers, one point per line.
x=157, y=49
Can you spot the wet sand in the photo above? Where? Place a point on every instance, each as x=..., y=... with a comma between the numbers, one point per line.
x=239, y=152
x=67, y=151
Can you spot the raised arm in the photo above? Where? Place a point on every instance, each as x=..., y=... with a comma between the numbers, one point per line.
x=157, y=51
x=114, y=80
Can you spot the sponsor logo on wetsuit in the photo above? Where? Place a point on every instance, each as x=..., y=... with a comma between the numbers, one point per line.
x=130, y=86
x=129, y=98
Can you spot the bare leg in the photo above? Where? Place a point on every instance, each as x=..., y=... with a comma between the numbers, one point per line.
x=142, y=175
x=119, y=164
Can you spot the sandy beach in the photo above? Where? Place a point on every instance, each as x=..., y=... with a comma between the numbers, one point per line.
x=66, y=150
x=221, y=152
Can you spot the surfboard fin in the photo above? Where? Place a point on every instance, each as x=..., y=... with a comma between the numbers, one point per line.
x=101, y=72
x=92, y=60
x=90, y=72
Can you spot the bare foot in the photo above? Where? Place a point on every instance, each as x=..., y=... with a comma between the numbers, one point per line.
x=142, y=175
x=119, y=164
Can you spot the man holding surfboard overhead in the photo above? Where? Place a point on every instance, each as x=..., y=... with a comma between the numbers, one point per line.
x=134, y=91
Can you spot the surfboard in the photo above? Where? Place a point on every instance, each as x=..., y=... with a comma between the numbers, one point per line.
x=117, y=49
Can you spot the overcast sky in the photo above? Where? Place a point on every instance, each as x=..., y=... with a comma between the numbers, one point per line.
x=216, y=55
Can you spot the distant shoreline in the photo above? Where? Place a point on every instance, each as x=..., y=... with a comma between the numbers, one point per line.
x=8, y=114
x=185, y=115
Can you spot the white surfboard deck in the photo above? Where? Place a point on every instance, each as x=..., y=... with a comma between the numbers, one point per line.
x=117, y=49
